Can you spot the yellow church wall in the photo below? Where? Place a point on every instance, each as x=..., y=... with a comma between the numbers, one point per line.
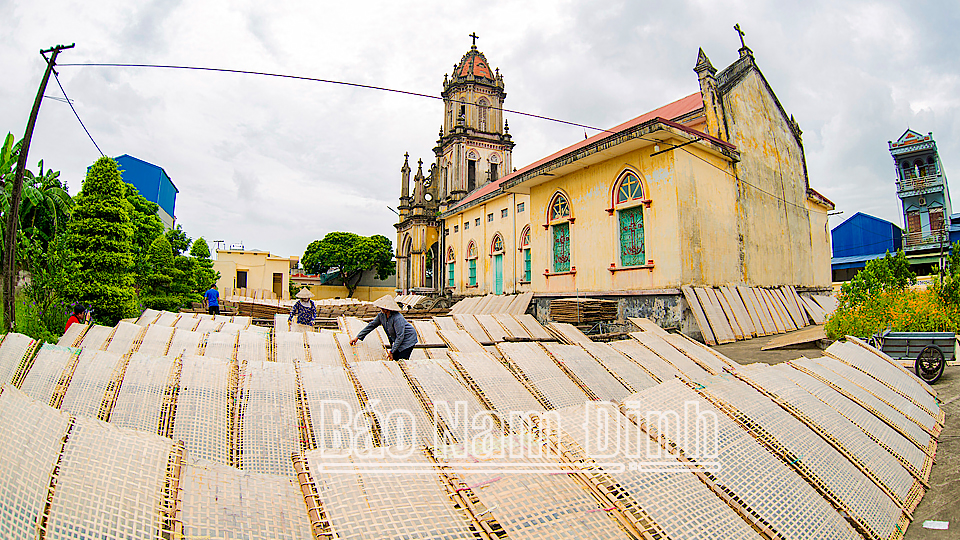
x=707, y=218
x=594, y=234
x=776, y=225
x=509, y=227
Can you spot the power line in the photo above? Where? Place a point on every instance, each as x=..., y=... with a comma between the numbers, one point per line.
x=330, y=81
x=70, y=103
x=415, y=94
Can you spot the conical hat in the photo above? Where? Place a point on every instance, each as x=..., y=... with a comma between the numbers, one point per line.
x=387, y=302
x=304, y=293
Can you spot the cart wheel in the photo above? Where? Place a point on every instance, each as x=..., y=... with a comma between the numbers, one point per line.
x=874, y=341
x=930, y=364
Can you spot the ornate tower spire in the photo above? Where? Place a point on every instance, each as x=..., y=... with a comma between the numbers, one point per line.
x=405, y=182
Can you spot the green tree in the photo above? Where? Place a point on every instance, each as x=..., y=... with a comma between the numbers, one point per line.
x=206, y=276
x=891, y=272
x=350, y=255
x=158, y=291
x=146, y=228
x=179, y=241
x=100, y=236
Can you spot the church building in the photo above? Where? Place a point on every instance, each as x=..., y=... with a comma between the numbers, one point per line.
x=711, y=189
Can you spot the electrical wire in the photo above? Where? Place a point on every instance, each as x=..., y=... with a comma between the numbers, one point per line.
x=415, y=94
x=69, y=102
x=329, y=81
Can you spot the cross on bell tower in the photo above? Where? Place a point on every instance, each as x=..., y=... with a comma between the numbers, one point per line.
x=475, y=38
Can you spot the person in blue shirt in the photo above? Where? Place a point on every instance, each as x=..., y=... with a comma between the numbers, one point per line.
x=305, y=310
x=401, y=333
x=212, y=299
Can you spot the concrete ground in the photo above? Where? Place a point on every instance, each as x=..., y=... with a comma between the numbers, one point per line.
x=942, y=501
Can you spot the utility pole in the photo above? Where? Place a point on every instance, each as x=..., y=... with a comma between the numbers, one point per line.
x=10, y=233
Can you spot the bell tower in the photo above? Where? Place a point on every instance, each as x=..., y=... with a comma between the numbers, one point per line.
x=475, y=147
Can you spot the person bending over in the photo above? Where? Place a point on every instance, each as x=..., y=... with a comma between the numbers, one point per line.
x=401, y=333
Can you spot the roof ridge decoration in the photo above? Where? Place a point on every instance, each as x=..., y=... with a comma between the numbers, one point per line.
x=704, y=64
x=474, y=67
x=911, y=137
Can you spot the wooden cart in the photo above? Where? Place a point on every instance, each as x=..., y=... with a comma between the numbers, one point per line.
x=928, y=350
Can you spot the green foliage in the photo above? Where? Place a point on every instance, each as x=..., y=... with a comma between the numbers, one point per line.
x=204, y=274
x=887, y=273
x=179, y=240
x=146, y=228
x=43, y=310
x=948, y=287
x=880, y=297
x=101, y=235
x=350, y=255
x=200, y=249
x=158, y=284
x=906, y=310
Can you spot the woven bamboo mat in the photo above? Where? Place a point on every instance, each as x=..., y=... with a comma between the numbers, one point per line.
x=749, y=470
x=896, y=419
x=679, y=503
x=374, y=505
x=544, y=374
x=156, y=340
x=203, y=406
x=148, y=316
x=290, y=347
x=869, y=453
x=551, y=506
x=670, y=354
x=72, y=335
x=389, y=393
x=646, y=359
x=822, y=464
x=588, y=371
x=323, y=349
x=48, y=367
x=185, y=342
x=449, y=396
x=267, y=418
x=124, y=337
x=899, y=446
x=884, y=372
x=628, y=372
x=108, y=474
x=96, y=337
x=332, y=402
x=493, y=383
x=32, y=435
x=13, y=349
x=253, y=347
x=223, y=502
x=219, y=345
x=89, y=383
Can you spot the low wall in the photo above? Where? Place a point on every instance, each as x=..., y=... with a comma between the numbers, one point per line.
x=368, y=294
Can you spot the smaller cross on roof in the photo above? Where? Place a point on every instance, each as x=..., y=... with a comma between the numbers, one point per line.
x=475, y=38
x=741, y=34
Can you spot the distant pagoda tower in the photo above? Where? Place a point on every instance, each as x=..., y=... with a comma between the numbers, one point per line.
x=924, y=194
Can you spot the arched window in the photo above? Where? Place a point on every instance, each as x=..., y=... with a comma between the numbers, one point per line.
x=628, y=203
x=482, y=107
x=472, y=264
x=497, y=245
x=525, y=249
x=450, y=266
x=558, y=217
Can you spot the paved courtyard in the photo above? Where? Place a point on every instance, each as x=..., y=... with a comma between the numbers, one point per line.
x=942, y=501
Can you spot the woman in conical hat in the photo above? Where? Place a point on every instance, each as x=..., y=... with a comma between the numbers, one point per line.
x=401, y=333
x=304, y=309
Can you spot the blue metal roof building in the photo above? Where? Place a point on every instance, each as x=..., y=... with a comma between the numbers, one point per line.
x=861, y=238
x=153, y=183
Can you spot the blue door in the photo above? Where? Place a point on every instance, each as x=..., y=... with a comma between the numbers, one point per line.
x=498, y=273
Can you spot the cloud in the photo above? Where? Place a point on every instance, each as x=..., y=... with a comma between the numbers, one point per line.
x=276, y=163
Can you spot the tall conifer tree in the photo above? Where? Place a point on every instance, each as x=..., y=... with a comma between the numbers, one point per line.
x=99, y=235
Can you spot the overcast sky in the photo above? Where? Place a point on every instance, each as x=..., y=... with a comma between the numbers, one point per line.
x=274, y=163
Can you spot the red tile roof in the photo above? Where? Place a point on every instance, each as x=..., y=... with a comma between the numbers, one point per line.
x=671, y=111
